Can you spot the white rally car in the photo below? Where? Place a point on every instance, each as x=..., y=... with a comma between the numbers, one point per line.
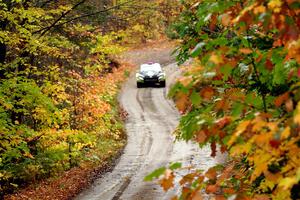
x=150, y=73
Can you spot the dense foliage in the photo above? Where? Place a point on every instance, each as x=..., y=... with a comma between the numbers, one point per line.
x=241, y=96
x=59, y=79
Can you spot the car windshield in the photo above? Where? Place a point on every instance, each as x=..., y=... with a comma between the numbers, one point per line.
x=150, y=67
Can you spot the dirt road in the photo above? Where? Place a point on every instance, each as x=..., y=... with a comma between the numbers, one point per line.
x=152, y=119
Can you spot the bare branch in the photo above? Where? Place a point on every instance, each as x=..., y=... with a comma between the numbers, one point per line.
x=46, y=29
x=95, y=13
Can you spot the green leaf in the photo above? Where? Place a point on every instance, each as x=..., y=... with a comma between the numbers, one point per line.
x=237, y=109
x=226, y=71
x=195, y=98
x=155, y=174
x=280, y=74
x=176, y=165
x=198, y=49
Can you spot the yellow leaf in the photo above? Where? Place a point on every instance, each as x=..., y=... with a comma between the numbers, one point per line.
x=297, y=115
x=237, y=150
x=261, y=160
x=287, y=183
x=272, y=177
x=285, y=133
x=259, y=125
x=275, y=5
x=239, y=130
x=215, y=59
x=259, y=9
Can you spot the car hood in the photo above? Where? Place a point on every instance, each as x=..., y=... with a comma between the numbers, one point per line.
x=149, y=73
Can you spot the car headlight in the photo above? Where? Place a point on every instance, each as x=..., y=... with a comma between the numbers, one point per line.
x=161, y=75
x=139, y=76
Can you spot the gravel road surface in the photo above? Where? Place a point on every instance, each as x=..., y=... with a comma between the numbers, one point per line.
x=152, y=119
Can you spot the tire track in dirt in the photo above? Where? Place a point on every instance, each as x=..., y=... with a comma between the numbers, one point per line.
x=151, y=121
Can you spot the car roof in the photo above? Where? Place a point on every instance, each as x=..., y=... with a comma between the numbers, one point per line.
x=150, y=66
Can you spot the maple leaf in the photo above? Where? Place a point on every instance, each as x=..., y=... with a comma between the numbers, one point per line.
x=245, y=50
x=289, y=105
x=229, y=190
x=226, y=19
x=211, y=173
x=211, y=188
x=259, y=9
x=197, y=196
x=288, y=182
x=275, y=5
x=201, y=136
x=207, y=92
x=285, y=133
x=239, y=130
x=182, y=101
x=221, y=123
x=281, y=99
x=216, y=59
x=168, y=181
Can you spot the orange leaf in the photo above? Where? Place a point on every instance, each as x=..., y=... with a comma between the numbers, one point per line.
x=289, y=105
x=211, y=173
x=167, y=181
x=281, y=99
x=226, y=19
x=261, y=197
x=182, y=101
x=201, y=137
x=220, y=197
x=197, y=196
x=228, y=191
x=211, y=188
x=207, y=93
x=187, y=178
x=213, y=22
x=174, y=198
x=245, y=50
x=223, y=122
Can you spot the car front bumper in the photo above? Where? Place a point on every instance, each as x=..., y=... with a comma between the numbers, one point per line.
x=151, y=80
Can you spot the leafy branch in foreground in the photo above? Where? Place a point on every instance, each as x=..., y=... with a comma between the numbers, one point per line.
x=242, y=94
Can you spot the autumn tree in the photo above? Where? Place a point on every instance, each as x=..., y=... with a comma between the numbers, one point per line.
x=59, y=79
x=241, y=96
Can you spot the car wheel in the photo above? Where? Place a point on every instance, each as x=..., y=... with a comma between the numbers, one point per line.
x=163, y=84
x=139, y=85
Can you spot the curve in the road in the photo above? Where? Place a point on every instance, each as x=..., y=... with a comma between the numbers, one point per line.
x=152, y=119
